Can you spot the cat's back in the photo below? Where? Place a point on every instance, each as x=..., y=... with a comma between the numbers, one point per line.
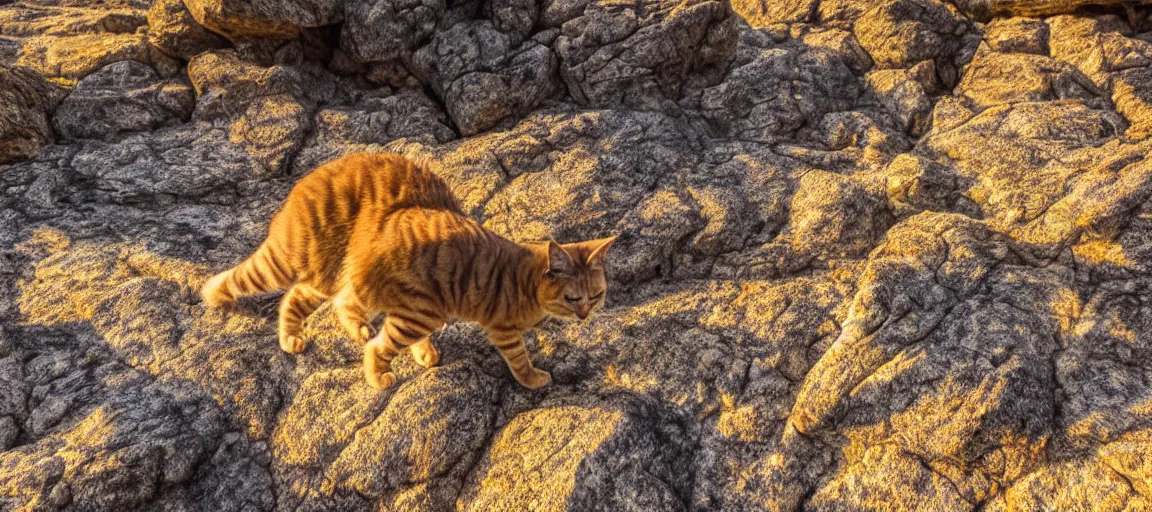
x=314, y=227
x=378, y=180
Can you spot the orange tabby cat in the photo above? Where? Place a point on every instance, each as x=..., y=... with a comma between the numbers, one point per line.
x=380, y=233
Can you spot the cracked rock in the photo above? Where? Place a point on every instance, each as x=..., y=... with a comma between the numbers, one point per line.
x=123, y=97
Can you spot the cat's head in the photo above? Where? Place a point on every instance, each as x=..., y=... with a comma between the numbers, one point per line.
x=574, y=284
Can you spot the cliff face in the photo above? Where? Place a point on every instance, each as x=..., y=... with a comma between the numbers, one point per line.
x=872, y=255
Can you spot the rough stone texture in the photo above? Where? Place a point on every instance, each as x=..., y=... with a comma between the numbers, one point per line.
x=482, y=78
x=243, y=19
x=900, y=33
x=26, y=102
x=764, y=12
x=174, y=30
x=779, y=91
x=883, y=257
x=122, y=97
x=379, y=31
x=1017, y=35
x=636, y=53
x=905, y=93
x=67, y=43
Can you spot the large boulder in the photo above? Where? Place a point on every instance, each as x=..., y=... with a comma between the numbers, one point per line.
x=639, y=54
x=999, y=78
x=378, y=31
x=245, y=19
x=26, y=102
x=1097, y=46
x=611, y=453
x=906, y=94
x=268, y=109
x=484, y=79
x=122, y=97
x=74, y=57
x=765, y=12
x=174, y=30
x=779, y=91
x=900, y=33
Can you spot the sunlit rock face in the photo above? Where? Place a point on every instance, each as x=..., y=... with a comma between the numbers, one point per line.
x=871, y=255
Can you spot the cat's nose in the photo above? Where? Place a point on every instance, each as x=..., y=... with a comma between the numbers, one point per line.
x=582, y=313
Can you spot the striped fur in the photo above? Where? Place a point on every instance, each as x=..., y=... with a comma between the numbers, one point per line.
x=378, y=233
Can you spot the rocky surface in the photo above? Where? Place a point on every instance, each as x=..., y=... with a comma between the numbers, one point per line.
x=880, y=255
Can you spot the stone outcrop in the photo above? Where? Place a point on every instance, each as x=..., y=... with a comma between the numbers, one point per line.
x=883, y=255
x=122, y=97
x=26, y=102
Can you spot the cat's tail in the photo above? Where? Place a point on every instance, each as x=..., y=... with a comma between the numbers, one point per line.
x=264, y=271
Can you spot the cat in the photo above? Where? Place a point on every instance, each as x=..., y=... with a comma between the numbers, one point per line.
x=382, y=233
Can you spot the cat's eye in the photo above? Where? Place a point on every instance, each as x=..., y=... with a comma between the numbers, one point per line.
x=571, y=299
x=596, y=297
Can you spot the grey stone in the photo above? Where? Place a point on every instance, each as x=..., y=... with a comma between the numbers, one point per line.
x=122, y=97
x=482, y=78
x=28, y=101
x=637, y=54
x=174, y=30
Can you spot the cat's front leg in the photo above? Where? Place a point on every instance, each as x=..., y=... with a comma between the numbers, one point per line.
x=398, y=333
x=510, y=343
x=351, y=314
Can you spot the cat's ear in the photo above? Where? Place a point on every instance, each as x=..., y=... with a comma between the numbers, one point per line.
x=599, y=254
x=559, y=261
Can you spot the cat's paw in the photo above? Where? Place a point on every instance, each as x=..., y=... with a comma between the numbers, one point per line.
x=380, y=380
x=366, y=333
x=535, y=379
x=213, y=294
x=425, y=355
x=293, y=344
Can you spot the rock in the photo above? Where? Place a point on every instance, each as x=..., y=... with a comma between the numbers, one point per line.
x=377, y=461
x=843, y=43
x=1007, y=8
x=1132, y=95
x=916, y=184
x=1017, y=35
x=778, y=92
x=905, y=94
x=835, y=216
x=26, y=102
x=482, y=79
x=174, y=30
x=517, y=18
x=78, y=56
x=122, y=97
x=998, y=78
x=1020, y=150
x=271, y=130
x=838, y=284
x=759, y=13
x=382, y=31
x=226, y=85
x=900, y=33
x=639, y=56
x=381, y=120
x=374, y=121
x=263, y=18
x=1097, y=46
x=584, y=455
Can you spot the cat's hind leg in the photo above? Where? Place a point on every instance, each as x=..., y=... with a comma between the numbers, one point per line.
x=300, y=301
x=351, y=314
x=397, y=333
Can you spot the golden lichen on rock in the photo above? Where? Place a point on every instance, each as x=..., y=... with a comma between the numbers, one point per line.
x=887, y=255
